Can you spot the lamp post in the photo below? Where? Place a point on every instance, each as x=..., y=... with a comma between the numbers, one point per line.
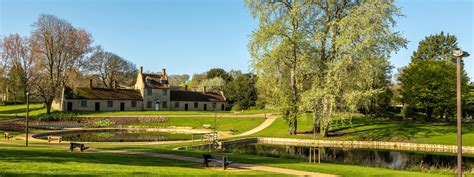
x=27, y=114
x=459, y=54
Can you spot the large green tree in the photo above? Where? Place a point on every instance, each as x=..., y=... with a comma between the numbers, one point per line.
x=322, y=56
x=428, y=83
x=241, y=91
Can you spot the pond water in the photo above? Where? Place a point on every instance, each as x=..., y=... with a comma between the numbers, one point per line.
x=119, y=135
x=363, y=157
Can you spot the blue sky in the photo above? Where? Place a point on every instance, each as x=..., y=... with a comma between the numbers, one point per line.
x=191, y=36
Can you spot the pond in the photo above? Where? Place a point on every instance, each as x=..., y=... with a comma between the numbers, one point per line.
x=363, y=157
x=118, y=135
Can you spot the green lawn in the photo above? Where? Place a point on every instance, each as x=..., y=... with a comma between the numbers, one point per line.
x=41, y=161
x=241, y=124
x=380, y=130
x=297, y=164
x=20, y=110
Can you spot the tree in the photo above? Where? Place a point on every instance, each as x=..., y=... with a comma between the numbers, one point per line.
x=241, y=90
x=215, y=84
x=111, y=68
x=323, y=57
x=59, y=48
x=431, y=85
x=218, y=72
x=429, y=82
x=17, y=56
x=178, y=80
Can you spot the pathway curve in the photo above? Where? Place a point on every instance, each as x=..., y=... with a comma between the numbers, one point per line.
x=269, y=121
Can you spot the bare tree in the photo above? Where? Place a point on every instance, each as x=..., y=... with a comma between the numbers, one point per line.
x=176, y=79
x=59, y=48
x=18, y=59
x=111, y=68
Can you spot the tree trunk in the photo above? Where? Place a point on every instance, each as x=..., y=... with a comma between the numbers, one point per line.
x=316, y=126
x=48, y=104
x=429, y=114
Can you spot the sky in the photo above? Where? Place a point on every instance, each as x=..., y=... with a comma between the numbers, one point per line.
x=192, y=36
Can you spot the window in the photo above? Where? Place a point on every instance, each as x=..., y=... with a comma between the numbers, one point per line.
x=149, y=91
x=164, y=92
x=110, y=104
x=149, y=104
x=134, y=104
x=83, y=103
x=176, y=104
x=214, y=105
x=164, y=104
x=196, y=104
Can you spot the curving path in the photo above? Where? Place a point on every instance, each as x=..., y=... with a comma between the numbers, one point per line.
x=269, y=121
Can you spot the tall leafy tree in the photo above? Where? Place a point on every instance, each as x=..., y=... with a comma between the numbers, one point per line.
x=429, y=81
x=59, y=48
x=241, y=90
x=322, y=56
x=218, y=72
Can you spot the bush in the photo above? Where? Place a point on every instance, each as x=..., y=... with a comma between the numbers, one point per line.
x=236, y=107
x=103, y=123
x=58, y=116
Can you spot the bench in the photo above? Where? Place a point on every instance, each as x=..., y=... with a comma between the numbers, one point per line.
x=223, y=160
x=82, y=147
x=7, y=135
x=206, y=126
x=51, y=138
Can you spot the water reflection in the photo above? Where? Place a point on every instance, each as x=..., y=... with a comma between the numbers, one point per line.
x=364, y=157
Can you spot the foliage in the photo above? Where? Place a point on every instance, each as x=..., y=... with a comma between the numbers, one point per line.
x=57, y=116
x=323, y=57
x=236, y=107
x=428, y=83
x=215, y=84
x=218, y=72
x=241, y=91
x=178, y=80
x=103, y=123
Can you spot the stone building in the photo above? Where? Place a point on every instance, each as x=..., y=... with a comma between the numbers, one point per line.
x=151, y=92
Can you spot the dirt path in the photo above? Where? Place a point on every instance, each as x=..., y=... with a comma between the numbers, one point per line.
x=188, y=115
x=269, y=121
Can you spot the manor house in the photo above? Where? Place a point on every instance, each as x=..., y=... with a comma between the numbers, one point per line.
x=150, y=92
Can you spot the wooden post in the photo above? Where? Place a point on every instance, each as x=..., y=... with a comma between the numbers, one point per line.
x=310, y=150
x=319, y=155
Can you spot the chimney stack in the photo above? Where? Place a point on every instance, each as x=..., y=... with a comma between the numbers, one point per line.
x=90, y=83
x=186, y=87
x=204, y=89
x=141, y=70
x=163, y=72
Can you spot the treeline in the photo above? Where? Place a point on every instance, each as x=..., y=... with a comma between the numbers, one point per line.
x=56, y=54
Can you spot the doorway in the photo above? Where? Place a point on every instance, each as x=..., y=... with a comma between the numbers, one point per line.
x=122, y=106
x=97, y=106
x=205, y=107
x=185, y=107
x=69, y=106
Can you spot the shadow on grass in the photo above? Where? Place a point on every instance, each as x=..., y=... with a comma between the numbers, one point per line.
x=20, y=110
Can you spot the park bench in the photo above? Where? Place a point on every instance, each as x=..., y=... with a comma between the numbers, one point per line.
x=217, y=159
x=82, y=147
x=51, y=138
x=206, y=126
x=7, y=135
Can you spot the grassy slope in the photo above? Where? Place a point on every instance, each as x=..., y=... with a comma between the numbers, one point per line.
x=20, y=110
x=223, y=124
x=380, y=130
x=20, y=161
x=338, y=169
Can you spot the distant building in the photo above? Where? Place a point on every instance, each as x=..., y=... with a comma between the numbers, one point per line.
x=150, y=92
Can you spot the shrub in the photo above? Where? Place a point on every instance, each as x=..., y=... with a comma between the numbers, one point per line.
x=103, y=123
x=58, y=116
x=236, y=107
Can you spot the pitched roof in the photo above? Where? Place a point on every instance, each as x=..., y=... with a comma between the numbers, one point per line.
x=155, y=81
x=102, y=94
x=178, y=95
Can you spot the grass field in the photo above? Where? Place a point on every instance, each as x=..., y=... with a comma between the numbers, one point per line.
x=380, y=130
x=12, y=111
x=41, y=161
x=329, y=168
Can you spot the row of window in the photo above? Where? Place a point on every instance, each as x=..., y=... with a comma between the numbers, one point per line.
x=109, y=103
x=150, y=92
